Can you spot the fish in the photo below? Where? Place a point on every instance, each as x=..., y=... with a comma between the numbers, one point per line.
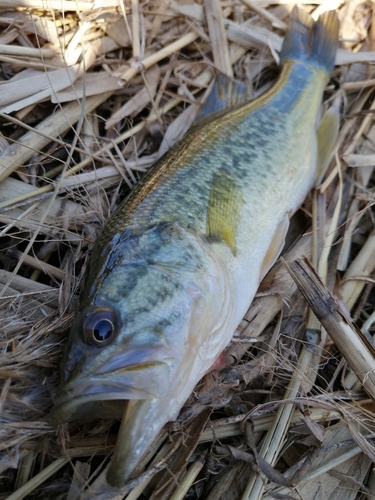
x=179, y=262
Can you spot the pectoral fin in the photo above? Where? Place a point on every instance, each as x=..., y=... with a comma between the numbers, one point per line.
x=226, y=93
x=277, y=244
x=327, y=135
x=224, y=209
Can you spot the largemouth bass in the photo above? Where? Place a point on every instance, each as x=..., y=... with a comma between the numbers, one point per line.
x=180, y=261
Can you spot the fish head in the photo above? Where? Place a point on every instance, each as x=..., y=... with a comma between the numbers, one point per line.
x=142, y=338
x=122, y=348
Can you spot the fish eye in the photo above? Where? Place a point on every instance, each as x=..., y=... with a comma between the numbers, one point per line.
x=99, y=326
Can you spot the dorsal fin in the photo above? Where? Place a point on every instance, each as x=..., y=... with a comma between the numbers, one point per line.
x=226, y=93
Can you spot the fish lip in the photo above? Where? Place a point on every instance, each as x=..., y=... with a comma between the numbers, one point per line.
x=64, y=410
x=79, y=391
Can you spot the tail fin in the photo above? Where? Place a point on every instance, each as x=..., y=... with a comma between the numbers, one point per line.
x=314, y=43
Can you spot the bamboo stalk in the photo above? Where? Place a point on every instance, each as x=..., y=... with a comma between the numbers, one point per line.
x=362, y=265
x=18, y=153
x=149, y=61
x=24, y=469
x=315, y=474
x=59, y=5
x=275, y=21
x=218, y=37
x=43, y=475
x=350, y=380
x=12, y=50
x=280, y=425
x=365, y=125
x=28, y=260
x=136, y=42
x=221, y=429
x=85, y=195
x=24, y=285
x=129, y=133
x=358, y=352
x=189, y=478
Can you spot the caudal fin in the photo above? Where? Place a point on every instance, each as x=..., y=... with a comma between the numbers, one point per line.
x=312, y=42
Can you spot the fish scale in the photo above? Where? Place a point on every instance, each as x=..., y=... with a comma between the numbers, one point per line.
x=179, y=262
x=192, y=173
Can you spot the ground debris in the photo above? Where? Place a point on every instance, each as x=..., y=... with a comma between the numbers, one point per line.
x=92, y=93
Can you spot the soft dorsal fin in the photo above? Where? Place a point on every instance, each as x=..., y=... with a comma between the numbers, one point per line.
x=226, y=93
x=224, y=209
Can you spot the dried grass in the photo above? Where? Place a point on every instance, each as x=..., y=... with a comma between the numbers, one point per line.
x=91, y=94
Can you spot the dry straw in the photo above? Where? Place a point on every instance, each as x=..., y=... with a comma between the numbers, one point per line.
x=91, y=94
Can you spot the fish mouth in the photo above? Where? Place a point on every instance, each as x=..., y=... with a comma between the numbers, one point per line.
x=87, y=397
x=97, y=405
x=142, y=419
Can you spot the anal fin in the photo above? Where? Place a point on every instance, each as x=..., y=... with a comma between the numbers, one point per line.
x=224, y=209
x=277, y=244
x=327, y=135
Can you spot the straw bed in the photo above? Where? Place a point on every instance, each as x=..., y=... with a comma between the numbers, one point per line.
x=92, y=93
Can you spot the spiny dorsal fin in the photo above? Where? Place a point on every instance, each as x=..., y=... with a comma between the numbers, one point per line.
x=224, y=208
x=226, y=93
